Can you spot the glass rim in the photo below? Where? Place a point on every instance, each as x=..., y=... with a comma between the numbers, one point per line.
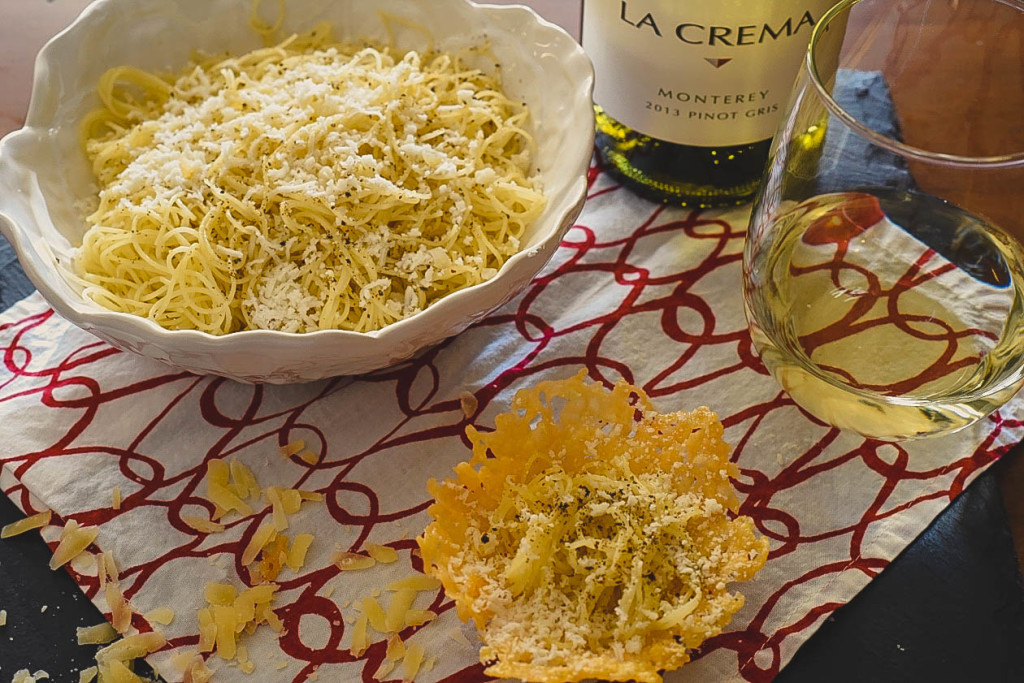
x=884, y=141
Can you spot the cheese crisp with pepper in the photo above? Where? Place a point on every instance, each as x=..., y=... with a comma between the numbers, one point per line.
x=590, y=536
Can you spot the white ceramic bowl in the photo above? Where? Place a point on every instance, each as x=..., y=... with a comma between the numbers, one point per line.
x=44, y=174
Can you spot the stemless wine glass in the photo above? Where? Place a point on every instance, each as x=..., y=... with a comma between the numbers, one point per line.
x=883, y=277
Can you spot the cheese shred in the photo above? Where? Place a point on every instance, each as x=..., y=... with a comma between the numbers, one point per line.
x=74, y=539
x=101, y=634
x=230, y=614
x=36, y=521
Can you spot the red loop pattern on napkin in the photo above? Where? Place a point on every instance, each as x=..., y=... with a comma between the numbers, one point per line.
x=637, y=291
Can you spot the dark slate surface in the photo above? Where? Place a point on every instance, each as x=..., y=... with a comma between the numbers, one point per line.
x=848, y=161
x=33, y=639
x=14, y=286
x=949, y=608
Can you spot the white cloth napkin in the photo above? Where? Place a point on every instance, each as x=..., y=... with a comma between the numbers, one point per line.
x=638, y=291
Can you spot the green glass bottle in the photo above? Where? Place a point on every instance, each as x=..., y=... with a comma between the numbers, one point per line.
x=688, y=92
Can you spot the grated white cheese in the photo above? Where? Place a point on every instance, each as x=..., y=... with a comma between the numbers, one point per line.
x=280, y=302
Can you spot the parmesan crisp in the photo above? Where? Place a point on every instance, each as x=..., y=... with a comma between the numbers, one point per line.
x=590, y=536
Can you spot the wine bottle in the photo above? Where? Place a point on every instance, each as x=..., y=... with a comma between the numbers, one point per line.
x=688, y=93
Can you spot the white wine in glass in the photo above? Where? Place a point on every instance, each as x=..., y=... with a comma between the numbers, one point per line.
x=883, y=276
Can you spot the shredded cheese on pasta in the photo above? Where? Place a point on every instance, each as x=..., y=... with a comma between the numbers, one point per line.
x=301, y=187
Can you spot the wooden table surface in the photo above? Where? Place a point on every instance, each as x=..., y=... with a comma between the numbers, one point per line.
x=25, y=25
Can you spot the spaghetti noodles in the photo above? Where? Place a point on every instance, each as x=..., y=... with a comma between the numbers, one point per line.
x=300, y=187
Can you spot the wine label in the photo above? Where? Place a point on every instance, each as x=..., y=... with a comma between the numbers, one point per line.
x=698, y=72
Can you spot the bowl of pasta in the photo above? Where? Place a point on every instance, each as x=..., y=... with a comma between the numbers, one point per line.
x=283, y=192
